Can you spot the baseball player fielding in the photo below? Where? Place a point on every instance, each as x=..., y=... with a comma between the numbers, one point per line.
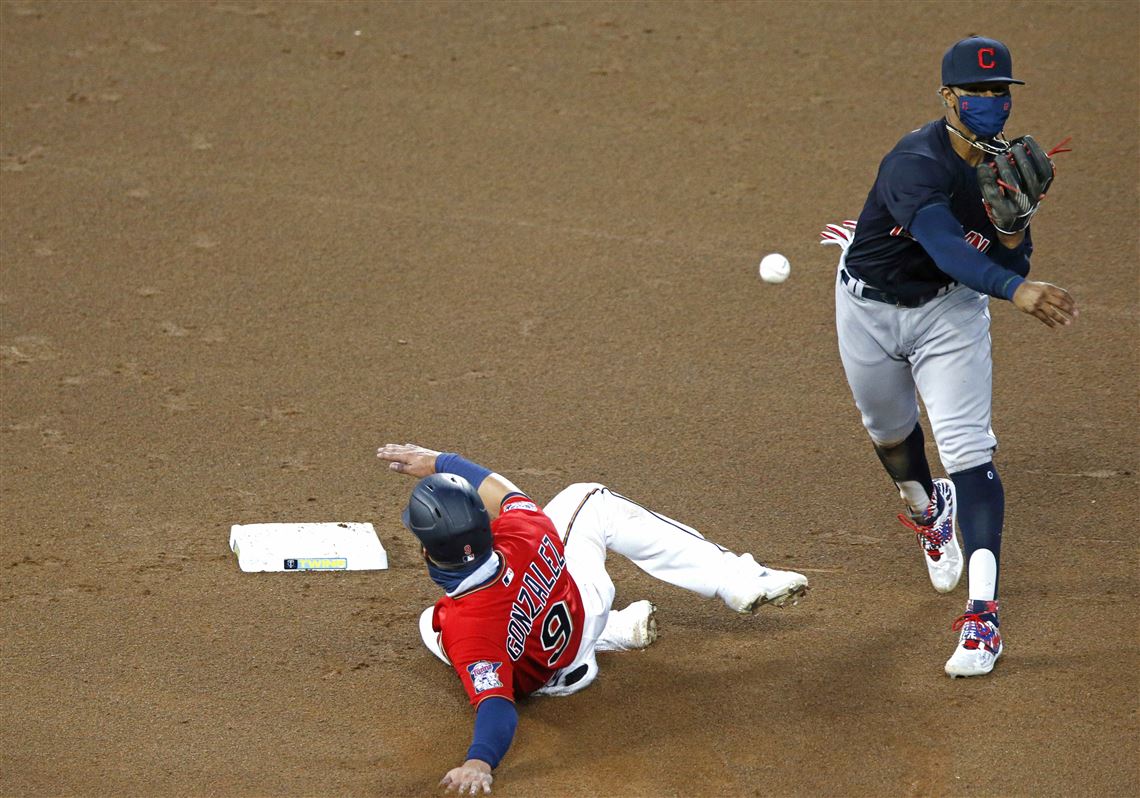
x=944, y=228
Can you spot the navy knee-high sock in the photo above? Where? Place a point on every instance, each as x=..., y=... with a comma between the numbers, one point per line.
x=981, y=512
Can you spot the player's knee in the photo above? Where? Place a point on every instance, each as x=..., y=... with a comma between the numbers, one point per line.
x=954, y=465
x=886, y=443
x=966, y=452
x=886, y=439
x=888, y=435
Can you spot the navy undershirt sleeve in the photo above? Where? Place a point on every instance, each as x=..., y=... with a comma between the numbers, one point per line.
x=1016, y=259
x=941, y=236
x=495, y=722
x=452, y=463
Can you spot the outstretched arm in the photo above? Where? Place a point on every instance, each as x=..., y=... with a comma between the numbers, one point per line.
x=418, y=462
x=940, y=234
x=942, y=237
x=495, y=723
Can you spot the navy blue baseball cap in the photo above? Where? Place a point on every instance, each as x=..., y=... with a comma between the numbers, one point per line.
x=977, y=60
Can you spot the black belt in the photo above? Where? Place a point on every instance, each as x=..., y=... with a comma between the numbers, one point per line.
x=867, y=292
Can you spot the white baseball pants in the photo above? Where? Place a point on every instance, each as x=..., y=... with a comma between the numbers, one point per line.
x=592, y=519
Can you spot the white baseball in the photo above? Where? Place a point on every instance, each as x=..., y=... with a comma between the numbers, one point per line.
x=774, y=268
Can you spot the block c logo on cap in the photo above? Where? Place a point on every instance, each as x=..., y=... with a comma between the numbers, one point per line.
x=986, y=58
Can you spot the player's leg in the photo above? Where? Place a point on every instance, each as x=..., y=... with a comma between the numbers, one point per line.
x=586, y=562
x=631, y=628
x=605, y=629
x=674, y=552
x=597, y=592
x=881, y=382
x=874, y=351
x=954, y=371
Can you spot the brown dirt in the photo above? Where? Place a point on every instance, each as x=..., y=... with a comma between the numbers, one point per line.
x=242, y=246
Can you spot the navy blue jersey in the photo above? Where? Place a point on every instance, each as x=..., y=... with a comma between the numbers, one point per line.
x=922, y=170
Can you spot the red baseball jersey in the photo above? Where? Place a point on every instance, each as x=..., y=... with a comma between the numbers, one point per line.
x=510, y=635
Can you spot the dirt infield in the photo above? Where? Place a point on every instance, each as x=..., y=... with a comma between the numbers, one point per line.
x=245, y=243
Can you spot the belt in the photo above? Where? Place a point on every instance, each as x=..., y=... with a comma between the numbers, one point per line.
x=860, y=288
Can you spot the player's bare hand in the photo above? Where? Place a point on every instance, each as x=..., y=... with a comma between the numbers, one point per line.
x=408, y=458
x=472, y=777
x=1046, y=302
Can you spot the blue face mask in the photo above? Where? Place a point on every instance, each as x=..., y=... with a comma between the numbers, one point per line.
x=985, y=116
x=451, y=579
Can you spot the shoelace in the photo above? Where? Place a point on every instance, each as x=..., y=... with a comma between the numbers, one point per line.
x=976, y=626
x=930, y=539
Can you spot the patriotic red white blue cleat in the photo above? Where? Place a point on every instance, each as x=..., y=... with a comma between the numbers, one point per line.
x=938, y=538
x=979, y=644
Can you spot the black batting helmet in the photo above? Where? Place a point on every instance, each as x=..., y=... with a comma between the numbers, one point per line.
x=447, y=515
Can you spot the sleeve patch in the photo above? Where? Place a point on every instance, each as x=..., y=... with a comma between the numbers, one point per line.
x=485, y=675
x=520, y=504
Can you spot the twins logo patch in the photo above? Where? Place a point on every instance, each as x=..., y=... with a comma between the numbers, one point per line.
x=485, y=675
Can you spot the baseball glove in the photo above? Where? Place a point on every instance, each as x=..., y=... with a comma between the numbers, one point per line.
x=1014, y=183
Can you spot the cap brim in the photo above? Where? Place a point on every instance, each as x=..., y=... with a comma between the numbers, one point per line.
x=989, y=80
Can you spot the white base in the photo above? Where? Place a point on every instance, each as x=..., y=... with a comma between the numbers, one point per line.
x=307, y=547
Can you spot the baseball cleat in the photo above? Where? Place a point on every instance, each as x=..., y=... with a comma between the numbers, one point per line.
x=633, y=628
x=979, y=644
x=937, y=535
x=754, y=585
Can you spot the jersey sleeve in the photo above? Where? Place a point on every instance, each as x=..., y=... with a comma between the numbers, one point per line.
x=517, y=501
x=909, y=182
x=941, y=236
x=482, y=666
x=1017, y=259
